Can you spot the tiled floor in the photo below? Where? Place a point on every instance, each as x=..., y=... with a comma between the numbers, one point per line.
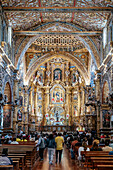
x=66, y=163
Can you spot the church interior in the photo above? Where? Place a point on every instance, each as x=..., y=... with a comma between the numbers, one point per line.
x=56, y=66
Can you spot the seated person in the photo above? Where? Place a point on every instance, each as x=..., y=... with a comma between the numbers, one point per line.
x=72, y=150
x=82, y=148
x=4, y=160
x=96, y=140
x=107, y=147
x=102, y=142
x=95, y=147
x=14, y=141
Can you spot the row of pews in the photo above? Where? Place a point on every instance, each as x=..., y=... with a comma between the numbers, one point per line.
x=23, y=155
x=97, y=160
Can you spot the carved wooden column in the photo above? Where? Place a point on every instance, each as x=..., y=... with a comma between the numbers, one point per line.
x=67, y=72
x=35, y=106
x=68, y=106
x=31, y=115
x=98, y=92
x=47, y=98
x=52, y=78
x=79, y=102
x=43, y=107
x=48, y=73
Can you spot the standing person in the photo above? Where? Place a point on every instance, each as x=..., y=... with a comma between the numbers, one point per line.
x=59, y=147
x=41, y=145
x=51, y=147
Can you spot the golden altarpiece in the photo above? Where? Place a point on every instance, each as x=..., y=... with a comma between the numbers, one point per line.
x=56, y=97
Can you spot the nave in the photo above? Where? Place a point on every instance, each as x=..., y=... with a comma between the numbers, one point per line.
x=66, y=164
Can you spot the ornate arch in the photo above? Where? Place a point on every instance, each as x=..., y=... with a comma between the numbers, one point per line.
x=49, y=56
x=27, y=41
x=6, y=80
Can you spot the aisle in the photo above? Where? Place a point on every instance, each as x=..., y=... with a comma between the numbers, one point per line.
x=66, y=163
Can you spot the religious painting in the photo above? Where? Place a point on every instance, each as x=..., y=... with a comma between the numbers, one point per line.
x=19, y=115
x=106, y=118
x=57, y=74
x=57, y=94
x=59, y=128
x=54, y=128
x=6, y=118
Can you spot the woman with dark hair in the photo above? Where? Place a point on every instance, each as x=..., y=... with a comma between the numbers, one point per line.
x=51, y=147
x=95, y=147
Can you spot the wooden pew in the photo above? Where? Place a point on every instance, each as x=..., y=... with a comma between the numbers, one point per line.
x=104, y=167
x=95, y=155
x=6, y=167
x=28, y=151
x=101, y=162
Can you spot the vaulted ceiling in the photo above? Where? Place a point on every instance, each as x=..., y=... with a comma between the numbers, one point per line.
x=26, y=14
x=39, y=24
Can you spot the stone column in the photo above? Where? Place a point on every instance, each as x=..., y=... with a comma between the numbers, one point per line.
x=26, y=109
x=1, y=33
x=9, y=34
x=16, y=97
x=112, y=76
x=1, y=97
x=98, y=90
x=112, y=28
